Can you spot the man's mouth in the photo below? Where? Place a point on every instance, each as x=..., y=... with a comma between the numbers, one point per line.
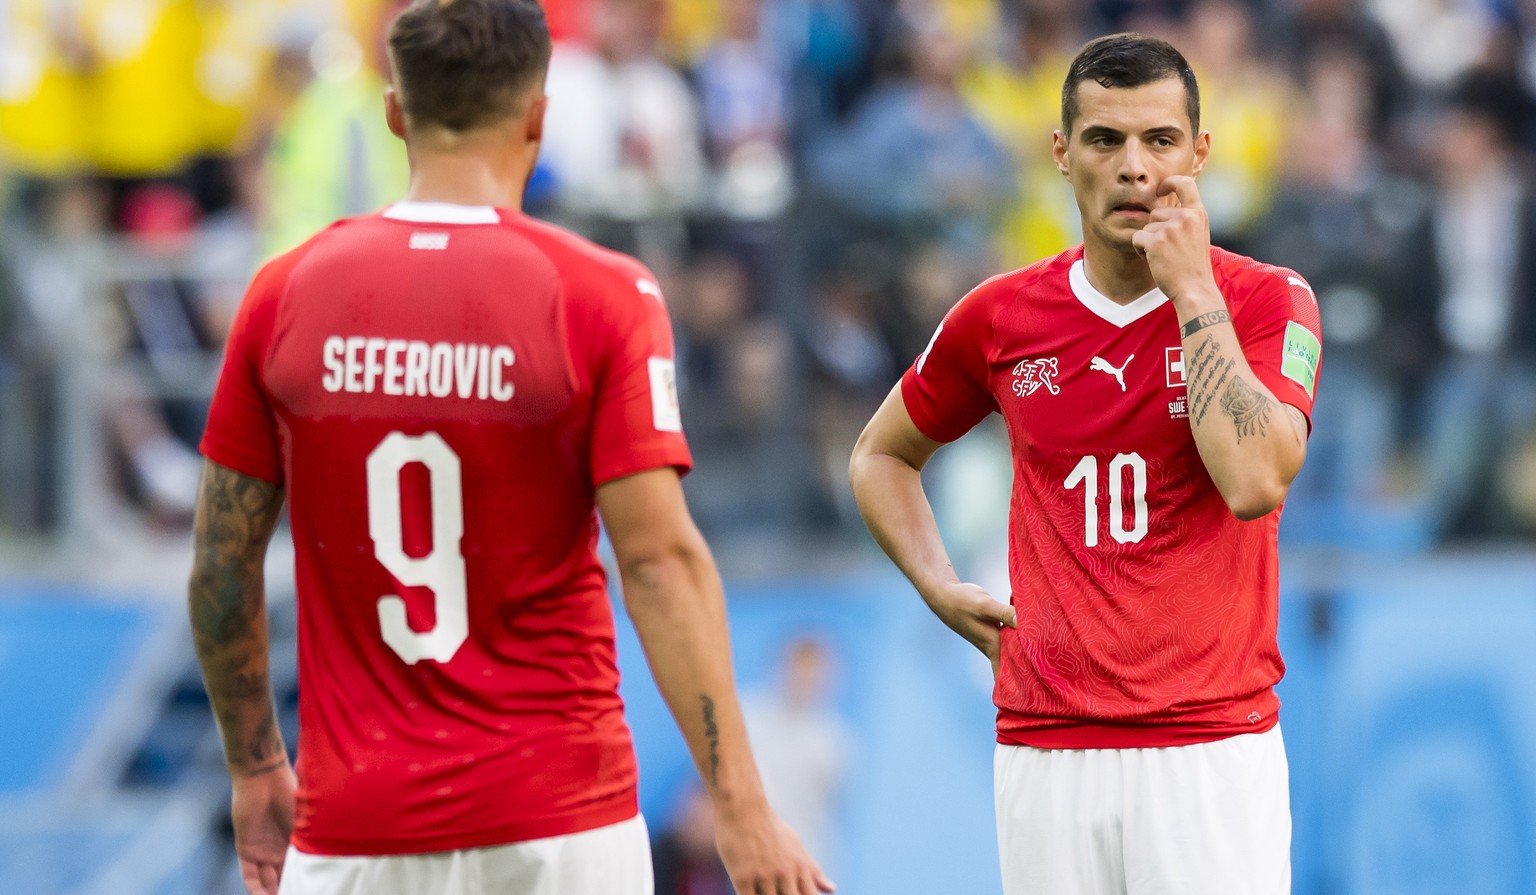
x=1131, y=208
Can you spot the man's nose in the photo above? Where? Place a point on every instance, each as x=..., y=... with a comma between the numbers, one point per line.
x=1133, y=163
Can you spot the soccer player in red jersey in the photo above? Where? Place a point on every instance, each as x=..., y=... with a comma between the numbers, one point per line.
x=1157, y=393
x=448, y=392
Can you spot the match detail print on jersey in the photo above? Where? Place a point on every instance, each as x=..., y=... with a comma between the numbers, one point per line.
x=666, y=412
x=1302, y=353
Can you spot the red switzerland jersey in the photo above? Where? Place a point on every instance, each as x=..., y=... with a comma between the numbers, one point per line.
x=441, y=389
x=1146, y=610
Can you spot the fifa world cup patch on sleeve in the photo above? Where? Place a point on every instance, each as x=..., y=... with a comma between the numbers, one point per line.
x=666, y=413
x=1302, y=353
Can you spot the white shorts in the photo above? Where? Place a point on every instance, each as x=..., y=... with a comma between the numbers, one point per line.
x=1206, y=819
x=611, y=860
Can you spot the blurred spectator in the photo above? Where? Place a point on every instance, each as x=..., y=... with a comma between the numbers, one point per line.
x=622, y=136
x=333, y=156
x=1324, y=27
x=684, y=855
x=802, y=746
x=1437, y=40
x=1480, y=399
x=1016, y=91
x=1244, y=104
x=43, y=114
x=744, y=90
x=1341, y=219
x=915, y=161
x=828, y=45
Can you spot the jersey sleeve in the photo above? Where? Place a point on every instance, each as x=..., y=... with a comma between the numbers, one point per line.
x=636, y=419
x=242, y=428
x=947, y=389
x=1281, y=334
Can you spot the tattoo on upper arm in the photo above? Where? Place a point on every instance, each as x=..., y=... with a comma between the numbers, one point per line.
x=235, y=517
x=712, y=734
x=1248, y=407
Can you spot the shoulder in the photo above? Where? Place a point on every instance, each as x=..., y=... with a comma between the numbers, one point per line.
x=272, y=278
x=584, y=263
x=1005, y=288
x=599, y=287
x=1242, y=278
x=1258, y=291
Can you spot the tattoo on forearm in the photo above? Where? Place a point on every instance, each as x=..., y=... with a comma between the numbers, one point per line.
x=266, y=742
x=1195, y=324
x=235, y=518
x=250, y=687
x=712, y=734
x=1209, y=370
x=1248, y=407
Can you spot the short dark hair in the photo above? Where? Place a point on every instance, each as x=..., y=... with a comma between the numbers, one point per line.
x=1128, y=60
x=460, y=64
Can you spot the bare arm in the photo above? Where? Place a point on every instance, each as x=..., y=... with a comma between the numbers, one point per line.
x=674, y=596
x=886, y=475
x=227, y=606
x=1251, y=447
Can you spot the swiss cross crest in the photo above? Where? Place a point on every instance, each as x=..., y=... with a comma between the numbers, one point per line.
x=1033, y=374
x=1177, y=376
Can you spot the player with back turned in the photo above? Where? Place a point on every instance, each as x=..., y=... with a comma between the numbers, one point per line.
x=448, y=393
x=1156, y=392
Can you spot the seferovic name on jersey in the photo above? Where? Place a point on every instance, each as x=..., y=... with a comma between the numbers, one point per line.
x=369, y=364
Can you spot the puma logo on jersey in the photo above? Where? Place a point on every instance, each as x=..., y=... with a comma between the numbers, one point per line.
x=1104, y=366
x=649, y=287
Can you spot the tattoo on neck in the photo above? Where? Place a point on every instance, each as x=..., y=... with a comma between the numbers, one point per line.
x=1195, y=324
x=712, y=734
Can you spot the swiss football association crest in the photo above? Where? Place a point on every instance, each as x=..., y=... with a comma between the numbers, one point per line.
x=1033, y=375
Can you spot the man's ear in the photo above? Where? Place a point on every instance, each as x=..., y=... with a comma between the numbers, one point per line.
x=394, y=115
x=535, y=119
x=1202, y=152
x=1059, y=153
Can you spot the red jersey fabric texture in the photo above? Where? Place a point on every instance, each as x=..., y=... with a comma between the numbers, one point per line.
x=441, y=390
x=1146, y=610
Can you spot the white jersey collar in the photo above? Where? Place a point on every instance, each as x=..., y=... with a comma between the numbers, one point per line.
x=1106, y=307
x=442, y=213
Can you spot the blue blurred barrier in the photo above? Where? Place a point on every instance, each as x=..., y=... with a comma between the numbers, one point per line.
x=1409, y=717
x=63, y=655
x=1408, y=713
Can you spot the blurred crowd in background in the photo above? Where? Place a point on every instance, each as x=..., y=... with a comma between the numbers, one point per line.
x=815, y=182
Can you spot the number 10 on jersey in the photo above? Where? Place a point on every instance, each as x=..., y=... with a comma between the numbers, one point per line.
x=1086, y=473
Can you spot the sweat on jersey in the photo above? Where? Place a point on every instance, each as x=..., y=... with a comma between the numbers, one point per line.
x=1146, y=610
x=441, y=389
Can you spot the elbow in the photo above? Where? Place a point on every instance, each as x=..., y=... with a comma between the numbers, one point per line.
x=1255, y=500
x=857, y=463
